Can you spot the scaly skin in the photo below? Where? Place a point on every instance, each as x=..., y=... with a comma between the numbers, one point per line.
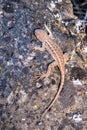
x=51, y=46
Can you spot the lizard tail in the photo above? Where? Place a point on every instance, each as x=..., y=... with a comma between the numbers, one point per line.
x=56, y=95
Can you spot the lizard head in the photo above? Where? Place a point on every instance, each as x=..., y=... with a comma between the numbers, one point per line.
x=41, y=35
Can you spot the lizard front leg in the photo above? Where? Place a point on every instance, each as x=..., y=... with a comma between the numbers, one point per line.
x=40, y=48
x=66, y=57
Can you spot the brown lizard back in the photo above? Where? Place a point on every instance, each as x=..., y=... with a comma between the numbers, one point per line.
x=56, y=52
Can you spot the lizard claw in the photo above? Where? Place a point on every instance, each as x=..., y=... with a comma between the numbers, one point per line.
x=43, y=76
x=40, y=76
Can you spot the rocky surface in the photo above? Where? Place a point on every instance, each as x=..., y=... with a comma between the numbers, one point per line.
x=23, y=98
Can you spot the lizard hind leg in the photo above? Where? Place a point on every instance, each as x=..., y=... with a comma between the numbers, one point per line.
x=48, y=73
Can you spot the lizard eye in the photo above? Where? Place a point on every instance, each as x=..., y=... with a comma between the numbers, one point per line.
x=48, y=33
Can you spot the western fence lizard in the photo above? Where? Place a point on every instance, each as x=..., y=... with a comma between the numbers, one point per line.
x=56, y=52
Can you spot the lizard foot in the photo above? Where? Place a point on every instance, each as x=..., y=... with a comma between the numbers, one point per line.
x=41, y=76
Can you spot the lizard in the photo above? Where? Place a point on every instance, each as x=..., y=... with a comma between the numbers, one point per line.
x=56, y=52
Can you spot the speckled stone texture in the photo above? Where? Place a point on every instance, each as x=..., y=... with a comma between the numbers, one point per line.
x=23, y=97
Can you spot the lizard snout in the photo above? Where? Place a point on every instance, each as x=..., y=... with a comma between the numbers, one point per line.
x=40, y=34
